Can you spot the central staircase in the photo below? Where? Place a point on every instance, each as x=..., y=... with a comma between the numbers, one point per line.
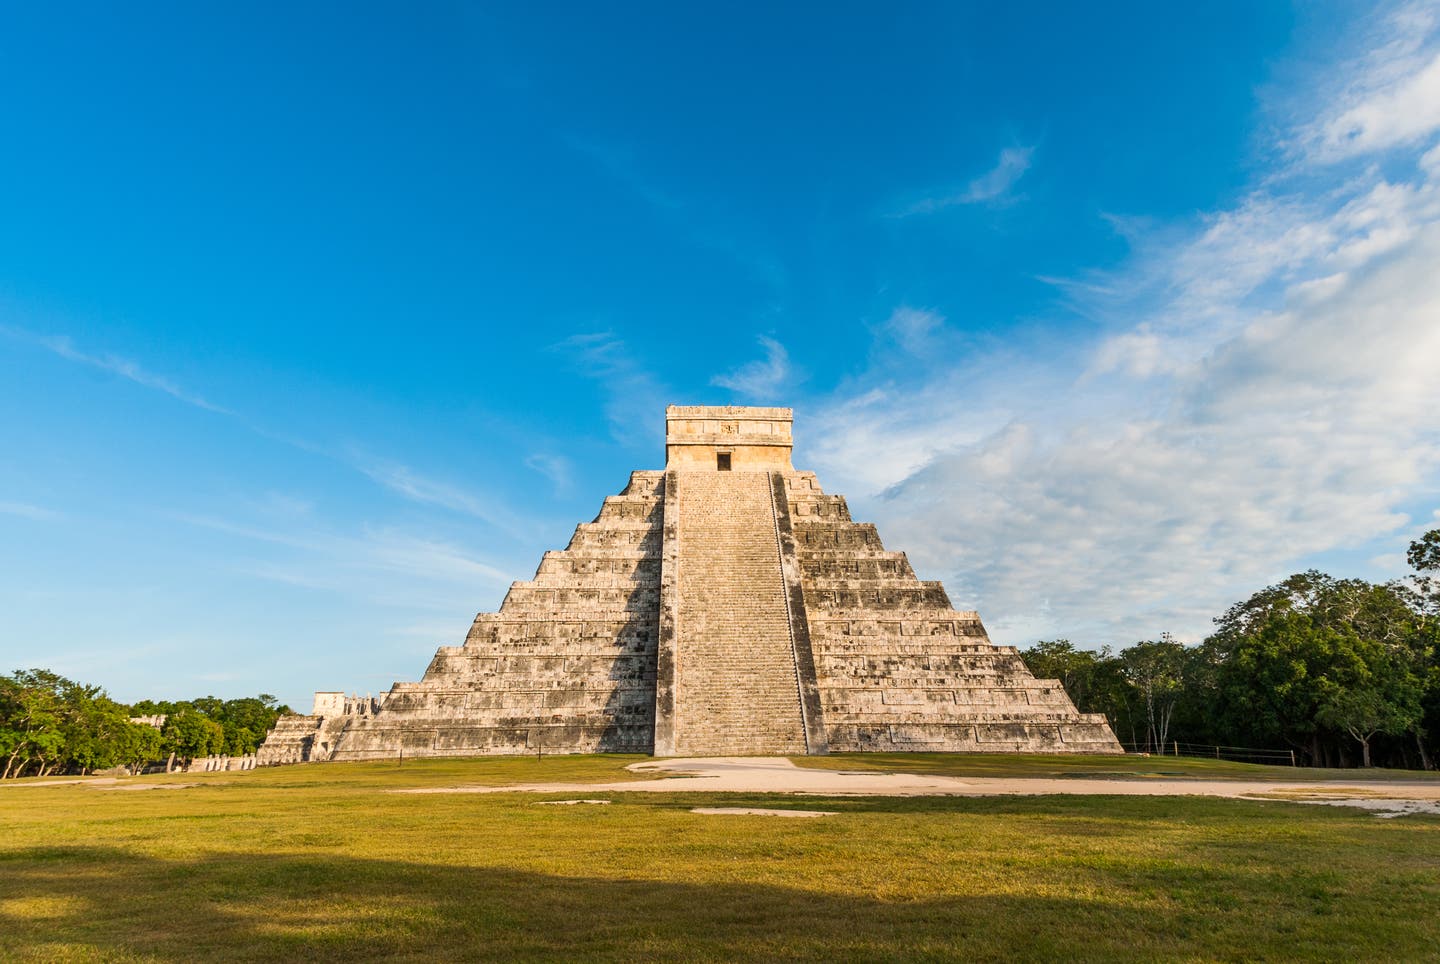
x=735, y=663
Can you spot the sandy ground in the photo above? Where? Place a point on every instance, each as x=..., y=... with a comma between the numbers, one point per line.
x=778, y=775
x=101, y=783
x=1389, y=798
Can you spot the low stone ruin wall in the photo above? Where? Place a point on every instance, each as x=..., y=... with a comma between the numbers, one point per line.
x=216, y=764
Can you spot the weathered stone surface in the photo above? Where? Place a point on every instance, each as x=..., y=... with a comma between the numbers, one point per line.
x=898, y=668
x=736, y=686
x=726, y=605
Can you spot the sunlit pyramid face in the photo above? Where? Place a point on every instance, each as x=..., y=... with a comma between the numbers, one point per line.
x=723, y=605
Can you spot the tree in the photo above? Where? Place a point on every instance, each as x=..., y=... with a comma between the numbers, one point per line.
x=1371, y=611
x=1283, y=673
x=1094, y=680
x=94, y=729
x=245, y=721
x=1285, y=658
x=188, y=734
x=1111, y=693
x=1423, y=590
x=152, y=708
x=1424, y=554
x=1364, y=711
x=1157, y=671
x=31, y=715
x=52, y=724
x=1059, y=659
x=135, y=745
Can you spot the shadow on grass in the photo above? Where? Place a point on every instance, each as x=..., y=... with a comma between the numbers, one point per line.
x=82, y=902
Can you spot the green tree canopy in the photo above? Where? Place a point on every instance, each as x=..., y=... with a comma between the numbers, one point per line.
x=1156, y=670
x=188, y=734
x=52, y=724
x=1293, y=661
x=1094, y=681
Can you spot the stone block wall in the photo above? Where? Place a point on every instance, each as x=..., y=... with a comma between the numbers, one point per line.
x=899, y=669
x=301, y=739
x=567, y=665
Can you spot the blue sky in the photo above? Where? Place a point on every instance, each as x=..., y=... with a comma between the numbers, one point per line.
x=319, y=324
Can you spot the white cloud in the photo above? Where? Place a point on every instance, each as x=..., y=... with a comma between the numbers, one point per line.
x=913, y=329
x=1395, y=116
x=405, y=481
x=1009, y=168
x=762, y=379
x=1265, y=390
x=993, y=185
x=868, y=441
x=557, y=468
x=1430, y=161
x=27, y=511
x=1301, y=434
x=632, y=394
x=393, y=476
x=1389, y=97
x=379, y=565
x=65, y=347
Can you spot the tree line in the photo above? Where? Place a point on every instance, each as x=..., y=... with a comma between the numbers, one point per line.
x=1342, y=671
x=53, y=725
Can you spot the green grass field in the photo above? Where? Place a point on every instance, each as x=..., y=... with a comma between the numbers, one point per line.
x=319, y=863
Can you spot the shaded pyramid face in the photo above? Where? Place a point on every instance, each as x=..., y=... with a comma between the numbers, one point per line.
x=725, y=605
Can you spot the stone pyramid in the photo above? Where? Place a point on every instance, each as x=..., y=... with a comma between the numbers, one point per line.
x=725, y=605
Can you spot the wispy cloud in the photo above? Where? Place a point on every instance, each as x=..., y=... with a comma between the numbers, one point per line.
x=633, y=396
x=557, y=468
x=406, y=481
x=993, y=185
x=762, y=379
x=1011, y=166
x=115, y=364
x=913, y=329
x=27, y=511
x=1387, y=96
x=383, y=565
x=393, y=476
x=1263, y=392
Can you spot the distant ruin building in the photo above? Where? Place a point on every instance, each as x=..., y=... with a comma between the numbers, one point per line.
x=725, y=605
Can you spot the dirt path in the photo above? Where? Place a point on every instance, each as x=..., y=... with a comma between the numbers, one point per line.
x=778, y=775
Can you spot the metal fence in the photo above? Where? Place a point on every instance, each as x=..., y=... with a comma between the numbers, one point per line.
x=1238, y=754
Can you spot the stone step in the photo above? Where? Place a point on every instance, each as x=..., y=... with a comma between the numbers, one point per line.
x=736, y=679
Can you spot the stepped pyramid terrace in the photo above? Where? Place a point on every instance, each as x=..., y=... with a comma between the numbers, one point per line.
x=725, y=605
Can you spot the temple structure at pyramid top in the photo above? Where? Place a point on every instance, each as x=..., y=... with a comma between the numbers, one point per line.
x=707, y=438
x=723, y=605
